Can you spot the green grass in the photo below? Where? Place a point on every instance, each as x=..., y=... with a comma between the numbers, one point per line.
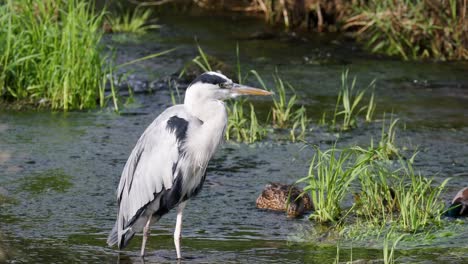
x=413, y=29
x=51, y=56
x=50, y=52
x=350, y=104
x=386, y=148
x=386, y=193
x=135, y=21
x=331, y=173
x=387, y=144
x=285, y=112
x=419, y=202
x=243, y=127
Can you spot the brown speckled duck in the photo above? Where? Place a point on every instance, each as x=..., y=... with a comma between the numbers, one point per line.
x=275, y=197
x=459, y=206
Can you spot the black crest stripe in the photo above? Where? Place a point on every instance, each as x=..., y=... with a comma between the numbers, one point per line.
x=209, y=78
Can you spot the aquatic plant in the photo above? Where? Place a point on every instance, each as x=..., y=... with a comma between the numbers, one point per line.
x=202, y=60
x=418, y=200
x=136, y=21
x=387, y=194
x=285, y=112
x=301, y=123
x=375, y=201
x=413, y=29
x=282, y=110
x=331, y=173
x=50, y=52
x=387, y=146
x=243, y=128
x=394, y=194
x=386, y=149
x=349, y=103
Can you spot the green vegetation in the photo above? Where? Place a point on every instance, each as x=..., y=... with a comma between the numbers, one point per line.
x=49, y=52
x=349, y=104
x=285, y=112
x=387, y=145
x=386, y=149
x=404, y=28
x=413, y=29
x=242, y=128
x=50, y=55
x=136, y=21
x=329, y=179
x=388, y=193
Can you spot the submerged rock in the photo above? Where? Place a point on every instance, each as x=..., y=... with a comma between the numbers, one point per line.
x=283, y=197
x=459, y=205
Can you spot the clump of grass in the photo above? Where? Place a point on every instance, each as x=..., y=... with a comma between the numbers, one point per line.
x=349, y=104
x=136, y=21
x=282, y=111
x=376, y=200
x=418, y=201
x=285, y=112
x=386, y=149
x=331, y=173
x=387, y=145
x=243, y=128
x=387, y=194
x=413, y=29
x=50, y=52
x=398, y=196
x=301, y=123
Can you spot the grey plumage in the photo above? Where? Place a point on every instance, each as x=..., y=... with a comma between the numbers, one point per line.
x=168, y=164
x=150, y=175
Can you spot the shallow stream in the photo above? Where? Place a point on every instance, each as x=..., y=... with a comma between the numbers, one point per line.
x=59, y=171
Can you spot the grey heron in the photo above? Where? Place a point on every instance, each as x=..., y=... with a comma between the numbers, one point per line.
x=168, y=164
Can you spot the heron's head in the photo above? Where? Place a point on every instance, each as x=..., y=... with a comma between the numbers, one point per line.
x=216, y=86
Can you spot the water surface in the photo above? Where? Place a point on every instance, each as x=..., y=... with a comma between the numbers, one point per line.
x=59, y=171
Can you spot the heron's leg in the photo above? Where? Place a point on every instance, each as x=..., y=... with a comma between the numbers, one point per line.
x=146, y=233
x=178, y=228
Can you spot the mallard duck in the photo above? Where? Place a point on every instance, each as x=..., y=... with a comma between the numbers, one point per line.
x=459, y=206
x=282, y=197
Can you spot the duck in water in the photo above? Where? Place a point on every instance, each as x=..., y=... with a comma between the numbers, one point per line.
x=283, y=197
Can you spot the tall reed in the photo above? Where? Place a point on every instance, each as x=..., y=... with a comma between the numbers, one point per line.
x=50, y=51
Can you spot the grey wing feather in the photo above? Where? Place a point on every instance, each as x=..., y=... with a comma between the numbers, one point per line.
x=148, y=171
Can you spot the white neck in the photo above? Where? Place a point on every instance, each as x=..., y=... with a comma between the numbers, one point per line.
x=213, y=114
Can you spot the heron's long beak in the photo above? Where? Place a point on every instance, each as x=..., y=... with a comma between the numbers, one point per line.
x=239, y=89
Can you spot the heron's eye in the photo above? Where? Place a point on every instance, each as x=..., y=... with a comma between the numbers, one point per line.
x=223, y=85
